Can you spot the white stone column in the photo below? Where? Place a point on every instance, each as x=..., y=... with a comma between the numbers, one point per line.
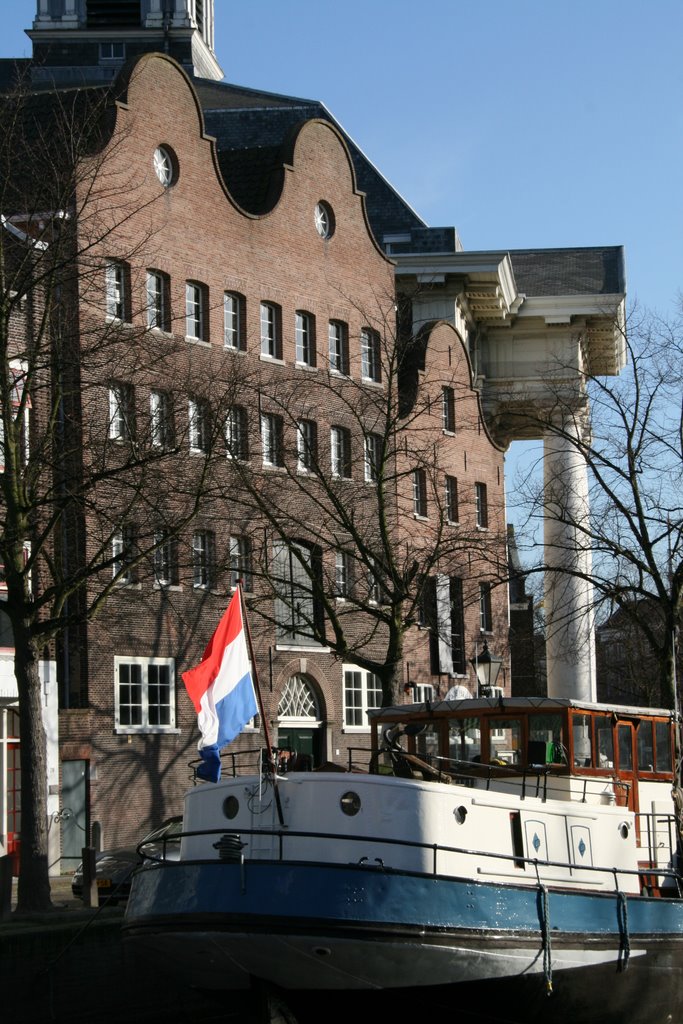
x=43, y=12
x=70, y=16
x=154, y=18
x=568, y=597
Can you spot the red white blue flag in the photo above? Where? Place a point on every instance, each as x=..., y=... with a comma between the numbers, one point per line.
x=221, y=689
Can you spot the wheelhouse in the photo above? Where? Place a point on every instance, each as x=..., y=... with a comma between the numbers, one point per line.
x=629, y=745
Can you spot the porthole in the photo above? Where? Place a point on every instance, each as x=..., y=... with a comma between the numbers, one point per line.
x=165, y=165
x=350, y=803
x=231, y=806
x=460, y=813
x=324, y=220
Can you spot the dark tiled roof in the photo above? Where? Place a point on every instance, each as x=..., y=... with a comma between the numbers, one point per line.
x=598, y=270
x=245, y=119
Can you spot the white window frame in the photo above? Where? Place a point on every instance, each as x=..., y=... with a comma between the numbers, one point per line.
x=156, y=291
x=144, y=665
x=338, y=342
x=485, y=608
x=203, y=559
x=340, y=453
x=304, y=338
x=270, y=331
x=121, y=411
x=342, y=574
x=195, y=311
x=420, y=493
x=370, y=356
x=237, y=434
x=451, y=489
x=367, y=691
x=165, y=559
x=199, y=418
x=482, y=505
x=373, y=444
x=161, y=420
x=116, y=292
x=122, y=546
x=272, y=440
x=241, y=562
x=448, y=410
x=232, y=321
x=306, y=446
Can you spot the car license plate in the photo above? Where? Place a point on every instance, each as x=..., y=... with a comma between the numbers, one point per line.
x=104, y=883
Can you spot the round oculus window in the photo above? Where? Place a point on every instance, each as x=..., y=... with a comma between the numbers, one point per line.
x=163, y=166
x=324, y=220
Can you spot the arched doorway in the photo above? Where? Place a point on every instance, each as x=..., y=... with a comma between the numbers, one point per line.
x=300, y=724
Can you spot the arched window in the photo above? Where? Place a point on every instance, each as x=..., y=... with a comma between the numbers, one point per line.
x=299, y=702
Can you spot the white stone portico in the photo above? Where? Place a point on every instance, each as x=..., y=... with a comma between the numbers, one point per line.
x=534, y=321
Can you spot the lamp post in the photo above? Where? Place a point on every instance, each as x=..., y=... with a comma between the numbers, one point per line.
x=486, y=666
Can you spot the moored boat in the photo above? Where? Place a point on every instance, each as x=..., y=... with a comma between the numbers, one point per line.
x=522, y=854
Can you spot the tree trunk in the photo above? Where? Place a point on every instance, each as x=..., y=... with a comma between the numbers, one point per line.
x=34, y=881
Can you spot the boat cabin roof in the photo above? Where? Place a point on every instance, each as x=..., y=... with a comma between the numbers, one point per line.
x=457, y=708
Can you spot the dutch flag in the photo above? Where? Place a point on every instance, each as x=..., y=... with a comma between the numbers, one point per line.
x=221, y=689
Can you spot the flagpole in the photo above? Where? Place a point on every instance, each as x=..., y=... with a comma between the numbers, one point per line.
x=257, y=685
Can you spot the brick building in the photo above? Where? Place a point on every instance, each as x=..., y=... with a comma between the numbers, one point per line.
x=292, y=417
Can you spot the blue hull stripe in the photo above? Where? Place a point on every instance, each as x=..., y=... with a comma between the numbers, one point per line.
x=367, y=896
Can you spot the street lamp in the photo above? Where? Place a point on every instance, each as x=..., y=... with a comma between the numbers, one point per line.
x=486, y=667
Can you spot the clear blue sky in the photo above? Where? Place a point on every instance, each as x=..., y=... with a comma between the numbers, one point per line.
x=521, y=122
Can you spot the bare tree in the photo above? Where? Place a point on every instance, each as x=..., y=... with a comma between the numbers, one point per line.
x=629, y=433
x=351, y=498
x=83, y=481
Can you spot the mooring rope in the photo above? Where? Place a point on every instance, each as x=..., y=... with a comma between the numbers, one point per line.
x=545, y=933
x=624, y=938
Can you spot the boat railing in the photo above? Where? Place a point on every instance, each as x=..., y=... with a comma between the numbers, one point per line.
x=230, y=847
x=233, y=763
x=537, y=781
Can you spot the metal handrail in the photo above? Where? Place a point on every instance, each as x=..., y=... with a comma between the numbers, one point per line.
x=437, y=849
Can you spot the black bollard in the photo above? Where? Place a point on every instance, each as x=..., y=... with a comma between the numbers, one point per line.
x=90, y=895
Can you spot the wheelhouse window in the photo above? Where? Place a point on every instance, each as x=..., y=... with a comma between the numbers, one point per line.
x=338, y=338
x=304, y=334
x=144, y=694
x=362, y=692
x=234, y=336
x=271, y=334
x=196, y=305
x=371, y=367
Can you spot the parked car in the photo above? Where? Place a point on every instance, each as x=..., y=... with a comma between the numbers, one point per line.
x=114, y=868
